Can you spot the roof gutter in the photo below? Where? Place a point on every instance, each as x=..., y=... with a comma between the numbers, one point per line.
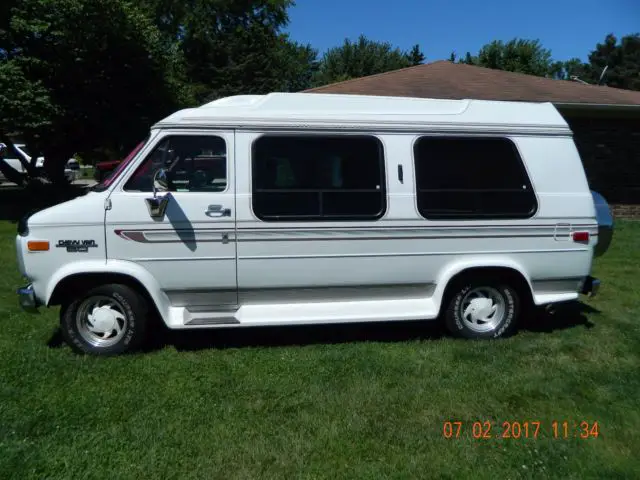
x=598, y=106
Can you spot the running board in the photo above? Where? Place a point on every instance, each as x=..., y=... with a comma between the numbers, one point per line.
x=254, y=315
x=208, y=316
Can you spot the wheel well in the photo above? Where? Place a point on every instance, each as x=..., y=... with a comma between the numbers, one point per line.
x=508, y=275
x=82, y=282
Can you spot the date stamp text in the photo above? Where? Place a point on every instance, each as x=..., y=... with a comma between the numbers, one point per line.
x=485, y=430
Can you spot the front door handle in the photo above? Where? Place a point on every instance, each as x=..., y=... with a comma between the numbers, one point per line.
x=217, y=211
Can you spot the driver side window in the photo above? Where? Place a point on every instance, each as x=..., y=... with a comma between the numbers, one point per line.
x=194, y=163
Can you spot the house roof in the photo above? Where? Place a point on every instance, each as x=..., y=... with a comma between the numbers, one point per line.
x=444, y=79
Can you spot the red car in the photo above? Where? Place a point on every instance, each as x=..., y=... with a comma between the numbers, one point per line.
x=103, y=169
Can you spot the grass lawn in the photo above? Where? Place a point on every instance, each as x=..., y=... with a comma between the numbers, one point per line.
x=87, y=172
x=329, y=402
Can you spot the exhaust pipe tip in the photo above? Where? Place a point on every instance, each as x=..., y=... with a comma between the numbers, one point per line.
x=550, y=309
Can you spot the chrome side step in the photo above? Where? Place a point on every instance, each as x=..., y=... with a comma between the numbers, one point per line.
x=257, y=315
x=218, y=315
x=213, y=321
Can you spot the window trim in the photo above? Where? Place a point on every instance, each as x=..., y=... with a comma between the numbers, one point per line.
x=384, y=191
x=472, y=217
x=168, y=135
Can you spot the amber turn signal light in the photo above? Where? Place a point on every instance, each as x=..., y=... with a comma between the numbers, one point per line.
x=38, y=245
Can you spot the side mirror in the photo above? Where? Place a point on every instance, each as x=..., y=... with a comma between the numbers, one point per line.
x=160, y=181
x=158, y=205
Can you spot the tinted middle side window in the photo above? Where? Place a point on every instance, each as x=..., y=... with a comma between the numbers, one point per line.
x=470, y=177
x=318, y=178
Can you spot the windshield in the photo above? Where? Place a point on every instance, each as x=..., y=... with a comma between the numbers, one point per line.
x=115, y=173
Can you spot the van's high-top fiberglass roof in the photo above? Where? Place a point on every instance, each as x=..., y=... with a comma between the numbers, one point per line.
x=315, y=110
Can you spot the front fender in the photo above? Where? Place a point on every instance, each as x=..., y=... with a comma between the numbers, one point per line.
x=459, y=266
x=122, y=267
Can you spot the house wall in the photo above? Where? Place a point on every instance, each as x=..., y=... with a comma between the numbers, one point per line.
x=610, y=151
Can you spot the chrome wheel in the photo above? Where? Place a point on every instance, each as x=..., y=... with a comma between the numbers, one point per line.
x=101, y=321
x=482, y=309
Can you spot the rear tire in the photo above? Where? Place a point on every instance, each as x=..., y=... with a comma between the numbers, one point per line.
x=482, y=308
x=107, y=320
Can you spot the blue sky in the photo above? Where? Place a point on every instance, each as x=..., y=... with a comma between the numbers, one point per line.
x=569, y=28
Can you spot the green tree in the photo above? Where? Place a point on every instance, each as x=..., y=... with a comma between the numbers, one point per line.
x=298, y=64
x=622, y=60
x=86, y=76
x=574, y=69
x=81, y=74
x=517, y=55
x=362, y=58
x=25, y=106
x=232, y=47
x=415, y=55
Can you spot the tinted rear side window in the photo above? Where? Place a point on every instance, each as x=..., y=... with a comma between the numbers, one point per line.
x=318, y=178
x=471, y=178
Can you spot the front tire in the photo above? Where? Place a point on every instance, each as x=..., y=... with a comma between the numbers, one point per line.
x=481, y=309
x=106, y=320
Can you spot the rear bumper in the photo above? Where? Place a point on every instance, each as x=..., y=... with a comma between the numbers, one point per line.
x=27, y=299
x=590, y=286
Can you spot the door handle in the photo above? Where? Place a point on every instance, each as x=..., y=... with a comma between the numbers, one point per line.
x=217, y=211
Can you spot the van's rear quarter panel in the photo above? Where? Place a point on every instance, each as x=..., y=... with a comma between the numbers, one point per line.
x=558, y=178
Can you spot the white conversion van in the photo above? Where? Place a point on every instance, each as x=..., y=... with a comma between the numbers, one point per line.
x=304, y=208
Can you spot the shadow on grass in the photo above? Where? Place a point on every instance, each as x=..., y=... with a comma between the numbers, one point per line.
x=299, y=335
x=16, y=202
x=56, y=340
x=567, y=316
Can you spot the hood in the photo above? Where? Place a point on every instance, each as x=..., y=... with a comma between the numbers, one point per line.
x=86, y=210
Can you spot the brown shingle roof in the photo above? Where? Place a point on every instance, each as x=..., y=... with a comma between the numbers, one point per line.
x=444, y=79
